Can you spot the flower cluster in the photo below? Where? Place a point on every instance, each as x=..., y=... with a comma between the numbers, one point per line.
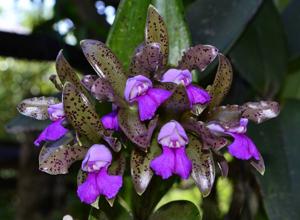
x=152, y=104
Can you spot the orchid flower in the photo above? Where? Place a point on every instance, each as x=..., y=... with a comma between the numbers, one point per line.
x=99, y=181
x=196, y=95
x=242, y=146
x=55, y=130
x=139, y=89
x=110, y=121
x=173, y=160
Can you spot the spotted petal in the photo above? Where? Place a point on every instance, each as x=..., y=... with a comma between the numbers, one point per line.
x=198, y=57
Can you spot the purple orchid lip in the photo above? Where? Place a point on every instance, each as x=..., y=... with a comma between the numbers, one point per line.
x=110, y=121
x=136, y=86
x=98, y=156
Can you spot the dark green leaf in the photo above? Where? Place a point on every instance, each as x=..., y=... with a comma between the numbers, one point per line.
x=177, y=210
x=36, y=107
x=156, y=32
x=56, y=157
x=81, y=114
x=141, y=172
x=291, y=19
x=203, y=171
x=178, y=33
x=222, y=82
x=106, y=64
x=291, y=86
x=128, y=29
x=219, y=22
x=260, y=55
x=278, y=140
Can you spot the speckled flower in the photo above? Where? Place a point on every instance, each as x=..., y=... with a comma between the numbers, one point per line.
x=173, y=160
x=140, y=89
x=99, y=181
x=55, y=130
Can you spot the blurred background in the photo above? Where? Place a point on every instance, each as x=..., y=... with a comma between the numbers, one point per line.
x=260, y=37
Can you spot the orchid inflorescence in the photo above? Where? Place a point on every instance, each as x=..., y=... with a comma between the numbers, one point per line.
x=167, y=123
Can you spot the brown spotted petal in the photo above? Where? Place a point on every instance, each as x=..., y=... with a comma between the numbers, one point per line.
x=203, y=167
x=106, y=64
x=198, y=57
x=36, y=107
x=260, y=111
x=67, y=74
x=222, y=163
x=141, y=172
x=259, y=165
x=133, y=128
x=228, y=116
x=82, y=115
x=88, y=80
x=178, y=101
x=56, y=157
x=222, y=82
x=118, y=164
x=147, y=59
x=209, y=139
x=102, y=90
x=156, y=32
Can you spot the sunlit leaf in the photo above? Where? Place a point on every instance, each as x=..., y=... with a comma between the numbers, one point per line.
x=81, y=114
x=203, y=170
x=105, y=63
x=177, y=210
x=36, y=107
x=141, y=172
x=56, y=157
x=222, y=82
x=156, y=32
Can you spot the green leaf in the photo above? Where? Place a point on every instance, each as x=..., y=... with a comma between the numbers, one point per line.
x=203, y=170
x=81, y=114
x=218, y=22
x=156, y=32
x=172, y=12
x=291, y=87
x=56, y=157
x=36, y=107
x=177, y=210
x=278, y=141
x=260, y=56
x=291, y=19
x=222, y=82
x=67, y=74
x=134, y=14
x=141, y=172
x=106, y=64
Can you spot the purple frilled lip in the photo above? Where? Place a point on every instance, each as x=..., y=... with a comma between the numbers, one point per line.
x=139, y=89
x=173, y=159
x=99, y=181
x=55, y=130
x=196, y=94
x=242, y=146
